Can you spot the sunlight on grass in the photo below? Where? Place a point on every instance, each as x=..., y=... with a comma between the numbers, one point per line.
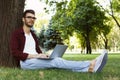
x=110, y=71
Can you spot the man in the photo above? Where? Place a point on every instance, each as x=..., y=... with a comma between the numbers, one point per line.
x=24, y=47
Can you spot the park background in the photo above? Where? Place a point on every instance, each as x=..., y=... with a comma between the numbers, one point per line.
x=106, y=36
x=86, y=26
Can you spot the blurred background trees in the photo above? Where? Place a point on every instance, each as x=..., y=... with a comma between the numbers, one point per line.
x=49, y=38
x=83, y=17
x=88, y=20
x=86, y=26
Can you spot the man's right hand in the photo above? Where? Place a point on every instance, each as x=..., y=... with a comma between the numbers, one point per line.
x=42, y=56
x=30, y=56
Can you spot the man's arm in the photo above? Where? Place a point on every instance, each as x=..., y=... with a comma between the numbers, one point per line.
x=14, y=46
x=15, y=49
x=37, y=56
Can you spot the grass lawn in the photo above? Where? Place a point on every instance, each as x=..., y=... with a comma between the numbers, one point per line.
x=110, y=72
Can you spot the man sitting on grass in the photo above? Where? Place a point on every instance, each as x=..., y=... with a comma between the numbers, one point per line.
x=24, y=47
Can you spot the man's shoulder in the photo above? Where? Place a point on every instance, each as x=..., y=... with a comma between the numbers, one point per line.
x=18, y=31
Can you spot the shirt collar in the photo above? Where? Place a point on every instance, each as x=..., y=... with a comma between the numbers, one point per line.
x=22, y=31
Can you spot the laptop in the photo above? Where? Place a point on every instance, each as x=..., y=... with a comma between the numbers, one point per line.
x=58, y=51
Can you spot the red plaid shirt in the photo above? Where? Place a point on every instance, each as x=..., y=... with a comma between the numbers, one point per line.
x=17, y=43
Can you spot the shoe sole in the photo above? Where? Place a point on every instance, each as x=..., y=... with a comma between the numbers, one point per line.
x=104, y=60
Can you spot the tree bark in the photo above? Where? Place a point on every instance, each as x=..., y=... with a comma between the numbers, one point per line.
x=10, y=18
x=87, y=43
x=88, y=46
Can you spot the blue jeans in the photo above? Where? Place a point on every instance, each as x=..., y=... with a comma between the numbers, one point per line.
x=77, y=66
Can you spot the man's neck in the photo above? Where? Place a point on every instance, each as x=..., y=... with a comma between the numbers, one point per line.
x=26, y=29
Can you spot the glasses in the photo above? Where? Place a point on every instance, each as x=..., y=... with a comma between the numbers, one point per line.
x=30, y=17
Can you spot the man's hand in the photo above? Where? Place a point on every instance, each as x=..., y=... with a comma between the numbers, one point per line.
x=30, y=56
x=42, y=56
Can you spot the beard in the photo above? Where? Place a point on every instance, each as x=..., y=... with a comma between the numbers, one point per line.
x=28, y=25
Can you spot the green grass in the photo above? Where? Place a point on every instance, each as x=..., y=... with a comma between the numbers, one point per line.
x=110, y=72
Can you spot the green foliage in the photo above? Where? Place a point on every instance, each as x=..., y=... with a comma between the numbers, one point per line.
x=60, y=22
x=87, y=17
x=84, y=17
x=112, y=10
x=49, y=38
x=116, y=5
x=41, y=37
x=114, y=39
x=88, y=20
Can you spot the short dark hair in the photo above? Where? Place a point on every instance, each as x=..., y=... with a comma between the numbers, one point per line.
x=28, y=11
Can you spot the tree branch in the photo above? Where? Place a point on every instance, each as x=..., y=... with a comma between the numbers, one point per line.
x=112, y=13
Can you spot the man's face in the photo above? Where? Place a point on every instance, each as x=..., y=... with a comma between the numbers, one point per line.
x=29, y=20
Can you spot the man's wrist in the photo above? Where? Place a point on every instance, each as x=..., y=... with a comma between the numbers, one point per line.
x=32, y=56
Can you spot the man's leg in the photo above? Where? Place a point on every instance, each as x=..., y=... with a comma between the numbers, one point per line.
x=79, y=66
x=36, y=64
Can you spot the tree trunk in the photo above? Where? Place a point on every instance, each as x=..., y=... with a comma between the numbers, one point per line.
x=88, y=46
x=10, y=18
x=106, y=42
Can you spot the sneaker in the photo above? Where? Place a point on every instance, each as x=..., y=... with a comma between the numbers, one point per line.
x=101, y=61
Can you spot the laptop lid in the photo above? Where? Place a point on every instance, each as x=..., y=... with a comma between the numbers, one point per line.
x=58, y=51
